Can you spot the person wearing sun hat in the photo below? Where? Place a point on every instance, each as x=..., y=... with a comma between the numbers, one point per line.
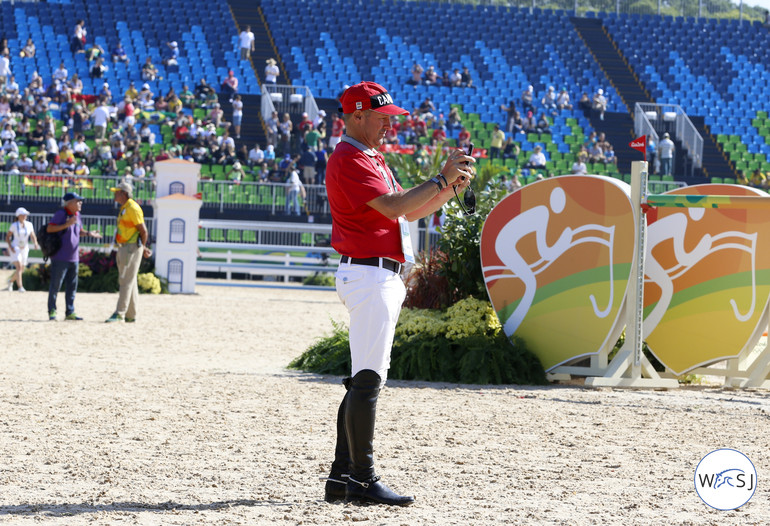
x=271, y=71
x=369, y=212
x=18, y=237
x=64, y=264
x=131, y=238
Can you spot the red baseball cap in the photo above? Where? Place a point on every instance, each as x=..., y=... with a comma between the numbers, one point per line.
x=369, y=96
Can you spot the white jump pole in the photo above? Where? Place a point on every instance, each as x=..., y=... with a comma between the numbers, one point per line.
x=630, y=368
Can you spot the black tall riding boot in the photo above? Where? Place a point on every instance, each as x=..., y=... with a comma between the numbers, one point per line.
x=338, y=476
x=360, y=410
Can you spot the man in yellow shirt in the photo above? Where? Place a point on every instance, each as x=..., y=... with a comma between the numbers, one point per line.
x=131, y=239
x=496, y=142
x=131, y=92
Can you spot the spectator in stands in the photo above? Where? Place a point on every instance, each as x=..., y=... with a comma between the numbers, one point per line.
x=456, y=78
x=41, y=163
x=80, y=149
x=306, y=165
x=338, y=127
x=579, y=166
x=537, y=159
x=119, y=54
x=294, y=188
x=246, y=41
x=511, y=150
x=237, y=115
x=496, y=142
x=146, y=102
x=98, y=69
x=549, y=100
x=26, y=165
x=271, y=71
x=467, y=79
x=529, y=124
x=439, y=136
x=37, y=136
x=271, y=125
x=321, y=159
x=23, y=129
x=285, y=127
x=216, y=116
x=270, y=155
x=235, y=173
x=527, y=97
x=100, y=117
x=256, y=156
x=420, y=127
x=463, y=138
x=511, y=112
x=51, y=147
x=431, y=77
x=171, y=55
x=5, y=67
x=61, y=74
x=78, y=42
x=94, y=52
x=543, y=125
x=9, y=147
x=105, y=93
x=187, y=97
x=416, y=72
x=595, y=153
x=426, y=110
x=453, y=120
x=149, y=71
x=66, y=161
x=666, y=150
x=174, y=105
x=758, y=179
x=609, y=155
x=11, y=88
x=651, y=155
x=28, y=51
x=81, y=168
x=599, y=103
x=312, y=139
x=562, y=100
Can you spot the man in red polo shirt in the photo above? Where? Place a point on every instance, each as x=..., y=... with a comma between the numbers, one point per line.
x=370, y=214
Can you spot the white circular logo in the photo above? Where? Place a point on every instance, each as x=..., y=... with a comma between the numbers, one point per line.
x=725, y=479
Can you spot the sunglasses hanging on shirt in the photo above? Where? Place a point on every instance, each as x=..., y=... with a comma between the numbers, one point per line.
x=469, y=198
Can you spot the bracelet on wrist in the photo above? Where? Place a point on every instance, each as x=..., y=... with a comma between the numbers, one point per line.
x=446, y=183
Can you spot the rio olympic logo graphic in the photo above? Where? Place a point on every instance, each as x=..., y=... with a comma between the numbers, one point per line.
x=725, y=479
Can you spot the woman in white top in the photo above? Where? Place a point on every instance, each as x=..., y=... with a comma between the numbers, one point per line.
x=18, y=237
x=237, y=115
x=271, y=71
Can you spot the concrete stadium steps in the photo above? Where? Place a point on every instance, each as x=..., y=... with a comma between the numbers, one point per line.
x=714, y=161
x=611, y=61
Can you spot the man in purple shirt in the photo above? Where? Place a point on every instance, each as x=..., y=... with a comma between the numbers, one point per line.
x=64, y=264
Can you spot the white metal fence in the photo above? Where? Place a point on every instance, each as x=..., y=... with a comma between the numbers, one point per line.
x=657, y=119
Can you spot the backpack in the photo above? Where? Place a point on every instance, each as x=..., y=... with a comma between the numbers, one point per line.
x=50, y=243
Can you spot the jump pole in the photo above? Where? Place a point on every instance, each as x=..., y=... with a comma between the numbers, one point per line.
x=630, y=368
